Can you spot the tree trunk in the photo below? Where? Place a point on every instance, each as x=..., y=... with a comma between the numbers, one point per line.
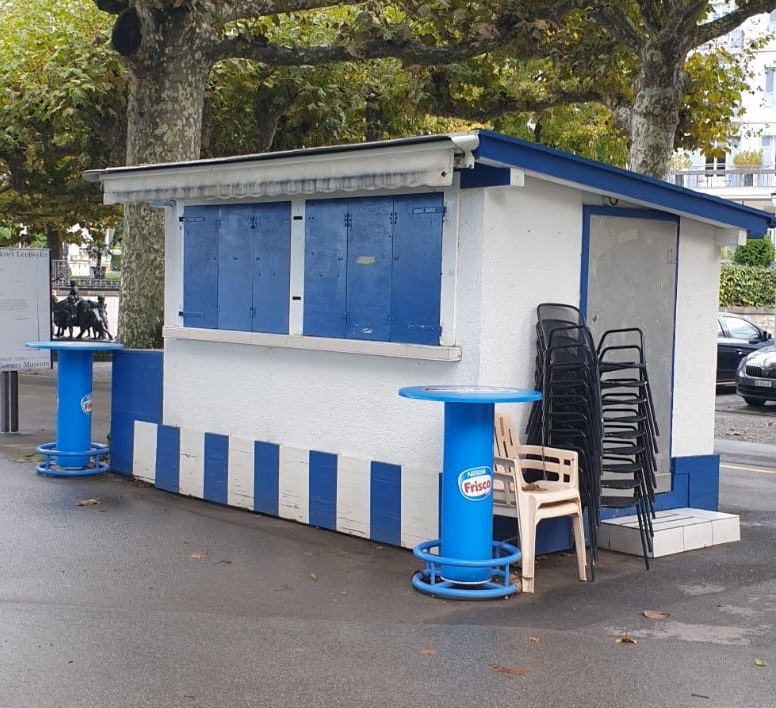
x=54, y=244
x=166, y=96
x=655, y=115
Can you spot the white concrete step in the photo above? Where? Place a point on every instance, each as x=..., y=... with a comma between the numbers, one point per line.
x=676, y=531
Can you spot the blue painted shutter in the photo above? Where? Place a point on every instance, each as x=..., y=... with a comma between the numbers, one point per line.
x=369, y=269
x=235, y=246
x=417, y=269
x=271, y=267
x=200, y=267
x=326, y=246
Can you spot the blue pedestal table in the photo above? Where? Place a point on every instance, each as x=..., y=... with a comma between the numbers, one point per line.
x=74, y=454
x=468, y=559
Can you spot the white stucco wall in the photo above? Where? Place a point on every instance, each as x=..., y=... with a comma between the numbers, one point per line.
x=532, y=244
x=695, y=344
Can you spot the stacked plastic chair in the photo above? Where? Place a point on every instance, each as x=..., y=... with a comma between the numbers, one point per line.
x=629, y=440
x=569, y=416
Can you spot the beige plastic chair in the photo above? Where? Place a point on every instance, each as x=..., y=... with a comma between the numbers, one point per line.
x=555, y=494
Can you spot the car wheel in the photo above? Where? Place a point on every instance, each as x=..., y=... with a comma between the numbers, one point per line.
x=756, y=402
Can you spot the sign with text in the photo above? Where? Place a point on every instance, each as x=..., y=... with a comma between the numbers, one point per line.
x=25, y=308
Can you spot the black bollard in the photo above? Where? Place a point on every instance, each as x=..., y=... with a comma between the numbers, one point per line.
x=9, y=410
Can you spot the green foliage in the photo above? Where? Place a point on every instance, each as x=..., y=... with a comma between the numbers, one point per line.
x=757, y=252
x=748, y=158
x=62, y=110
x=747, y=285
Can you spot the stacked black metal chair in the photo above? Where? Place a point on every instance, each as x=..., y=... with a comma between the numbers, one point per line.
x=629, y=433
x=569, y=414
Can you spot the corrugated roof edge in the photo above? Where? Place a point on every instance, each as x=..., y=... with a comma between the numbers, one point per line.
x=94, y=175
x=496, y=148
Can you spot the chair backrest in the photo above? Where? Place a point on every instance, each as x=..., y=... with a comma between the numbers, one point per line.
x=505, y=441
x=534, y=463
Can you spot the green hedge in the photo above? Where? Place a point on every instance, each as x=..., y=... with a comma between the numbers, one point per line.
x=748, y=286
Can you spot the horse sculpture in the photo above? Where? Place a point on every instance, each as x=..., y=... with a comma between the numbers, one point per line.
x=89, y=316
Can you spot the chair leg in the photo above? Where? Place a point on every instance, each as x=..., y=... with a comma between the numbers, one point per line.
x=579, y=545
x=528, y=550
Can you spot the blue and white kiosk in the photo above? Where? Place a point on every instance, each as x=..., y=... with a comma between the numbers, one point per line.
x=303, y=289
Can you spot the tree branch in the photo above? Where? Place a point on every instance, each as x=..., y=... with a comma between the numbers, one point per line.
x=620, y=26
x=651, y=11
x=413, y=52
x=493, y=103
x=727, y=23
x=249, y=9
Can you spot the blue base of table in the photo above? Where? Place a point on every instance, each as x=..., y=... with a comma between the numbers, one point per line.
x=431, y=582
x=73, y=454
x=56, y=465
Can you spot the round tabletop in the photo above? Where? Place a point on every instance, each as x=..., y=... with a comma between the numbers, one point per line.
x=76, y=346
x=471, y=394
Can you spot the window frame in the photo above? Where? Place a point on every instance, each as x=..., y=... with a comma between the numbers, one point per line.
x=446, y=351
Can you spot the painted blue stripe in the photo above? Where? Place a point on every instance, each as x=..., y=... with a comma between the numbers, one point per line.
x=266, y=477
x=485, y=176
x=168, y=456
x=497, y=148
x=385, y=503
x=323, y=490
x=216, y=464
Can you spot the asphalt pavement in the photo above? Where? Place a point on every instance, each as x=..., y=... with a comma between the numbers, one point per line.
x=147, y=599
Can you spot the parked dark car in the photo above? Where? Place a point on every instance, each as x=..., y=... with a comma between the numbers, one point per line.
x=736, y=337
x=756, y=376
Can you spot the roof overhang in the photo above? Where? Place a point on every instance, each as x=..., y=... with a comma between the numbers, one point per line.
x=498, y=150
x=391, y=164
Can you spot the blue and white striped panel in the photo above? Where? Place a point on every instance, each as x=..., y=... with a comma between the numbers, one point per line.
x=367, y=498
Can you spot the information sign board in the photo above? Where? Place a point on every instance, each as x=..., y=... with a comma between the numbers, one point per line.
x=25, y=308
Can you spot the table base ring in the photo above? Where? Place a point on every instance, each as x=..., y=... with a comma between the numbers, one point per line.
x=430, y=581
x=53, y=465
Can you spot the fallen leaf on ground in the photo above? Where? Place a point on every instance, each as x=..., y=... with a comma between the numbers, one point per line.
x=514, y=671
x=308, y=554
x=428, y=652
x=625, y=639
x=199, y=556
x=760, y=662
x=88, y=502
x=314, y=576
x=223, y=562
x=534, y=640
x=283, y=588
x=656, y=614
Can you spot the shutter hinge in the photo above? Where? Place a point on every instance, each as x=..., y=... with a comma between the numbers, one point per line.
x=254, y=223
x=348, y=220
x=190, y=219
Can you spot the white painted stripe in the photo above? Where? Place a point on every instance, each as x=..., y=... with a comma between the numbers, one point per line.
x=419, y=505
x=192, y=463
x=294, y=484
x=743, y=468
x=240, y=489
x=296, y=268
x=353, y=490
x=144, y=451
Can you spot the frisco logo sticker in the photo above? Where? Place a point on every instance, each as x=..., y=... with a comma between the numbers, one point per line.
x=475, y=483
x=86, y=403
